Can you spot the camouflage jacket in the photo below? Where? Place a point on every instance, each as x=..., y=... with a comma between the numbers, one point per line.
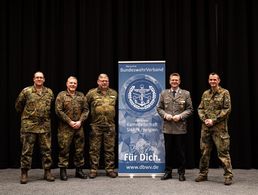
x=215, y=106
x=35, y=109
x=102, y=107
x=71, y=108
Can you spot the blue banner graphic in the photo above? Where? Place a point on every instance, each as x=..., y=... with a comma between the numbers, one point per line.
x=141, y=142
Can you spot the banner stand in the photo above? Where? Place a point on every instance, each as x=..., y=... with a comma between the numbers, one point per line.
x=141, y=142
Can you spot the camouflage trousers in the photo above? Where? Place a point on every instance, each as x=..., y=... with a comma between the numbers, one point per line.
x=222, y=143
x=67, y=136
x=105, y=136
x=28, y=141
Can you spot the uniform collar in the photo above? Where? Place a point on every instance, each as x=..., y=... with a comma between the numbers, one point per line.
x=100, y=92
x=217, y=91
x=67, y=93
x=43, y=90
x=177, y=90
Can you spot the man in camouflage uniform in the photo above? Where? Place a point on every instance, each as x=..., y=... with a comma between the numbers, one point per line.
x=72, y=109
x=34, y=104
x=102, y=101
x=214, y=111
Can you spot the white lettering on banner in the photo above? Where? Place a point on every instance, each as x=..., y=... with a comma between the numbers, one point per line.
x=143, y=157
x=149, y=157
x=130, y=157
x=141, y=69
x=142, y=167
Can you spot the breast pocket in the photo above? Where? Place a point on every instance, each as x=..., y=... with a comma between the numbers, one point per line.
x=67, y=104
x=218, y=102
x=30, y=106
x=167, y=102
x=48, y=104
x=112, y=100
x=206, y=102
x=98, y=102
x=180, y=104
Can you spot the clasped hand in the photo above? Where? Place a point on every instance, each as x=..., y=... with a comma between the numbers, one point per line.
x=208, y=122
x=175, y=118
x=75, y=124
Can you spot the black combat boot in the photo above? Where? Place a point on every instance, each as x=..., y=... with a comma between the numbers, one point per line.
x=80, y=174
x=63, y=174
x=24, y=176
x=48, y=176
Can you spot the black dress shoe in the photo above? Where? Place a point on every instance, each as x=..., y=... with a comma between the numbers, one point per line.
x=167, y=175
x=181, y=177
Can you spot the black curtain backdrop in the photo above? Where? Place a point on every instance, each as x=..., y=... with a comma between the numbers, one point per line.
x=87, y=37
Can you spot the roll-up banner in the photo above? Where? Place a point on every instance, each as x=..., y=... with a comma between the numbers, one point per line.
x=141, y=142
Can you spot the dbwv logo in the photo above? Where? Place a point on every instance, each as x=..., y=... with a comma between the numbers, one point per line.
x=141, y=95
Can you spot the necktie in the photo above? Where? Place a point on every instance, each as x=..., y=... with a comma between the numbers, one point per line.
x=174, y=93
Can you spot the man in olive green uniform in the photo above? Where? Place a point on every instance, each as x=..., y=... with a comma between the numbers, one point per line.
x=214, y=111
x=34, y=104
x=72, y=109
x=175, y=107
x=102, y=101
